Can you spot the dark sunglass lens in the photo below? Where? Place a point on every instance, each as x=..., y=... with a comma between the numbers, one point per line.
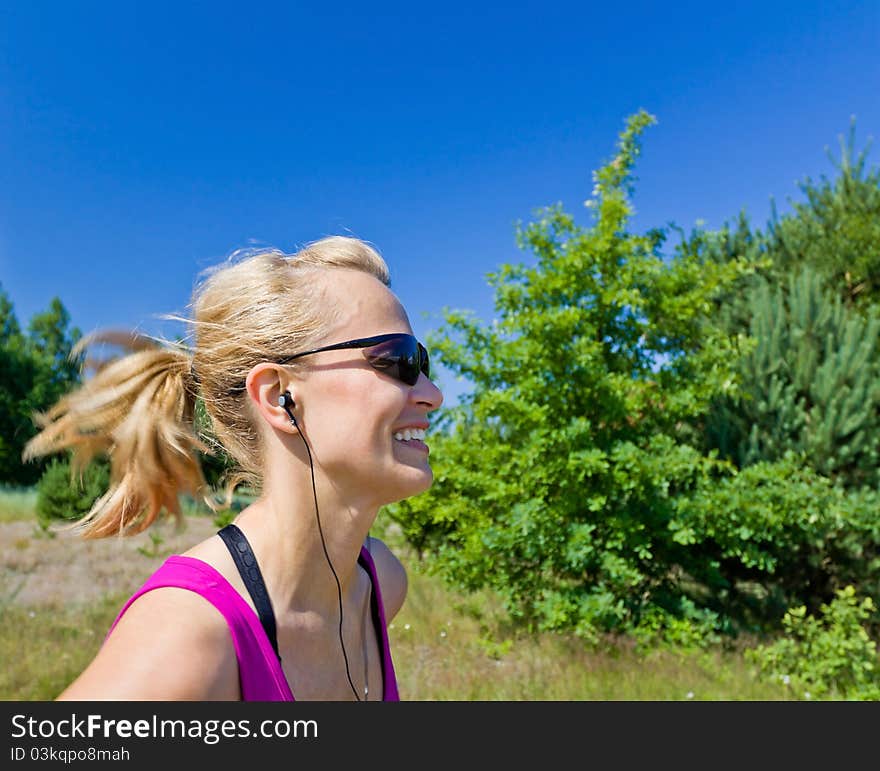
x=398, y=358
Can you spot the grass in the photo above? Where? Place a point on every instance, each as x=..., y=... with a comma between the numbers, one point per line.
x=446, y=647
x=17, y=503
x=44, y=649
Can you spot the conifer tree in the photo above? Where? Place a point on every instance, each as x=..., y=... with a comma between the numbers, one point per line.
x=810, y=385
x=836, y=229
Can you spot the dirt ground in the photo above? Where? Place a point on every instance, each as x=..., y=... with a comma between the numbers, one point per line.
x=38, y=570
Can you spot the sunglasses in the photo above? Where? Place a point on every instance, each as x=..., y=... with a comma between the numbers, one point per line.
x=398, y=355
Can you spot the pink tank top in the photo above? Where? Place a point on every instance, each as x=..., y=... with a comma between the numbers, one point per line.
x=260, y=674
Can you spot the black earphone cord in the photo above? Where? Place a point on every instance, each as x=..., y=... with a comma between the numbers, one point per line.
x=283, y=401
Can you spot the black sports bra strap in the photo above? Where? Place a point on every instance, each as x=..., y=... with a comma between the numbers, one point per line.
x=246, y=562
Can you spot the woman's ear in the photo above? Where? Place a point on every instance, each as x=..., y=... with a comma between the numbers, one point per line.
x=267, y=387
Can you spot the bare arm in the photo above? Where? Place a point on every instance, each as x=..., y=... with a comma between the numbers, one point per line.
x=170, y=645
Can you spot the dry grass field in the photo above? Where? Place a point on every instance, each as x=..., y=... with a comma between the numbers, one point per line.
x=59, y=594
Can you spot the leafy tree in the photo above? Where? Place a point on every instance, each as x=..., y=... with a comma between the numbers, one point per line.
x=35, y=370
x=556, y=478
x=50, y=341
x=16, y=373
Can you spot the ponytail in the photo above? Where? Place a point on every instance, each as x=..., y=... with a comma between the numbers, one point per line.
x=139, y=410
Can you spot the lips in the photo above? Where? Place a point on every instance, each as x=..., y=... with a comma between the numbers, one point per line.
x=415, y=444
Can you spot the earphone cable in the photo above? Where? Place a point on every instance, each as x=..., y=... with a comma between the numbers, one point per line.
x=329, y=562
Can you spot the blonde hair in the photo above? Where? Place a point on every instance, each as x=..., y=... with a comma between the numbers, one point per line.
x=140, y=408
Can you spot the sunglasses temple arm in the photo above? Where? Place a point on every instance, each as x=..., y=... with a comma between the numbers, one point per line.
x=364, y=343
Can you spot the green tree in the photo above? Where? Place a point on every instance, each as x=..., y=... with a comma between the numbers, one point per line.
x=795, y=520
x=16, y=373
x=35, y=370
x=811, y=384
x=50, y=341
x=64, y=496
x=836, y=229
x=556, y=478
x=217, y=464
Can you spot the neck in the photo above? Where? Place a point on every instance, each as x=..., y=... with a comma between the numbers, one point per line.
x=295, y=547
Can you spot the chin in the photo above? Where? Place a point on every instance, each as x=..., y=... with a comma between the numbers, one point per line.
x=417, y=482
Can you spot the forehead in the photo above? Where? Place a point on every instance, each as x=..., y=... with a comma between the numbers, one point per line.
x=362, y=305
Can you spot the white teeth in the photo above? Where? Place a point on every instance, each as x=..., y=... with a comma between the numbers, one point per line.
x=410, y=433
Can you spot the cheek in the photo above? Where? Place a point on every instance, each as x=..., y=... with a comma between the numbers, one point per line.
x=359, y=412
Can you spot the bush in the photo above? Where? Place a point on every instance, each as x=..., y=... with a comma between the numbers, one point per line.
x=62, y=497
x=829, y=657
x=773, y=536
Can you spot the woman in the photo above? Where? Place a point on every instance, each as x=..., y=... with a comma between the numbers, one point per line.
x=316, y=387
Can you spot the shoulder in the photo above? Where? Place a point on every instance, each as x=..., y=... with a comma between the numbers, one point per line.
x=171, y=644
x=393, y=581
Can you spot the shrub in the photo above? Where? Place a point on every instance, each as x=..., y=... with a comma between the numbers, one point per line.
x=64, y=497
x=829, y=657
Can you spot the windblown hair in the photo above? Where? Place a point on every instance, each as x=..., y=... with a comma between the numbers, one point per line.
x=140, y=409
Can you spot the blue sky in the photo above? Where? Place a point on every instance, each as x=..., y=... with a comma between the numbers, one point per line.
x=143, y=142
